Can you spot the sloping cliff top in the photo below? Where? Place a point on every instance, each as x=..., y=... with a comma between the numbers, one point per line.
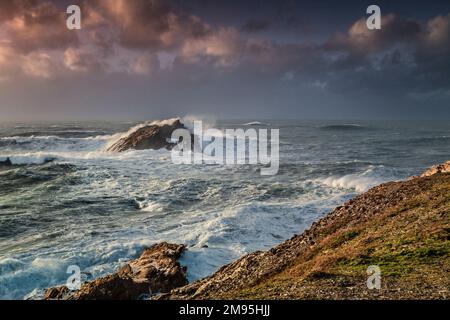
x=402, y=227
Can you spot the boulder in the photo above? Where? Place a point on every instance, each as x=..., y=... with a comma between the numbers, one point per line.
x=57, y=293
x=441, y=168
x=6, y=162
x=155, y=271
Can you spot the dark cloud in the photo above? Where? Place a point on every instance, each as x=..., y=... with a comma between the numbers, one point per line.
x=145, y=24
x=360, y=40
x=159, y=52
x=256, y=25
x=10, y=9
x=33, y=25
x=404, y=56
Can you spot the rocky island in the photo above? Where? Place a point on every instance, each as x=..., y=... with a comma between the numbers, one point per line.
x=155, y=135
x=401, y=227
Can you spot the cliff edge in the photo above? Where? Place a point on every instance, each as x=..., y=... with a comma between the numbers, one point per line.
x=401, y=227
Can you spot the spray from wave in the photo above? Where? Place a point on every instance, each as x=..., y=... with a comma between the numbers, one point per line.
x=360, y=182
x=351, y=181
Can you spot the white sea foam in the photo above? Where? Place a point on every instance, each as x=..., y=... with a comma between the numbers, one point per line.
x=28, y=277
x=28, y=159
x=360, y=183
x=56, y=138
x=37, y=273
x=188, y=122
x=150, y=206
x=256, y=123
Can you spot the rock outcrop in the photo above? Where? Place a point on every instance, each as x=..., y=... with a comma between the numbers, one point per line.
x=156, y=270
x=153, y=136
x=442, y=168
x=6, y=163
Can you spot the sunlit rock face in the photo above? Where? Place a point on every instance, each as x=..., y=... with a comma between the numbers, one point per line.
x=442, y=168
x=154, y=136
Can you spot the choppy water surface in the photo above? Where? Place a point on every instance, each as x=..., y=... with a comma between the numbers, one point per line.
x=71, y=202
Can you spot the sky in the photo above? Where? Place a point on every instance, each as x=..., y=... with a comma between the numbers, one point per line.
x=252, y=59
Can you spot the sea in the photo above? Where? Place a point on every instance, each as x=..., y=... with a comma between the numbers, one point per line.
x=66, y=200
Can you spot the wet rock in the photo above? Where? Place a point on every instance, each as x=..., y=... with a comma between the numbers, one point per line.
x=57, y=293
x=155, y=271
x=442, y=168
x=6, y=163
x=153, y=136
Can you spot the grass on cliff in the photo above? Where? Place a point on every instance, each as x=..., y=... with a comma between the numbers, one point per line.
x=409, y=242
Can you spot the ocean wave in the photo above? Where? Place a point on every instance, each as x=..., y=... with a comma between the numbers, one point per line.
x=256, y=123
x=93, y=153
x=20, y=139
x=54, y=143
x=343, y=127
x=27, y=277
x=244, y=228
x=358, y=182
x=35, y=273
x=150, y=206
x=28, y=159
x=421, y=140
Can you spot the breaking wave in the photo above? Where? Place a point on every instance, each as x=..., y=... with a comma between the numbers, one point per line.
x=358, y=182
x=256, y=123
x=28, y=159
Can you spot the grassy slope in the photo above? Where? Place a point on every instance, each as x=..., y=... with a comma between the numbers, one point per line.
x=410, y=242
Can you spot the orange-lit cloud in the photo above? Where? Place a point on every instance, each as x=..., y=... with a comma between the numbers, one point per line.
x=38, y=64
x=360, y=39
x=438, y=31
x=37, y=25
x=81, y=61
x=130, y=36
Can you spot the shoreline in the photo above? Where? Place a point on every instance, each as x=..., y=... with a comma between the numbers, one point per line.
x=403, y=227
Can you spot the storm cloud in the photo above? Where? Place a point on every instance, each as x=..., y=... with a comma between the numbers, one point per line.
x=164, y=59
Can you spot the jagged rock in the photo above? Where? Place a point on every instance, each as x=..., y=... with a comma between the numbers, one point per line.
x=6, y=162
x=153, y=136
x=156, y=270
x=442, y=168
x=57, y=293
